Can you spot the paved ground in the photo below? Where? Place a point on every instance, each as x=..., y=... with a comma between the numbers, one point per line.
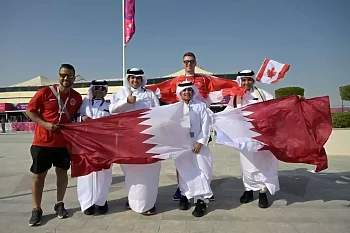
x=307, y=202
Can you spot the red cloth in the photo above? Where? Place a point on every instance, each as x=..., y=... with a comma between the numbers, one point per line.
x=204, y=83
x=45, y=104
x=96, y=145
x=294, y=131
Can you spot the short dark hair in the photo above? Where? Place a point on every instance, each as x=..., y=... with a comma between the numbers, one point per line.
x=68, y=66
x=189, y=54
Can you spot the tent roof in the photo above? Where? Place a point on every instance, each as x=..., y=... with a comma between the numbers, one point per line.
x=43, y=81
x=182, y=72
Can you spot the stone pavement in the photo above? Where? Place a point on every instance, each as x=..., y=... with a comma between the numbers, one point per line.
x=307, y=202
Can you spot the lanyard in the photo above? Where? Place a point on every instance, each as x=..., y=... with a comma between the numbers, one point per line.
x=61, y=109
x=91, y=104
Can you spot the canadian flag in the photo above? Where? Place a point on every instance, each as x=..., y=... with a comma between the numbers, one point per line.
x=271, y=71
x=294, y=131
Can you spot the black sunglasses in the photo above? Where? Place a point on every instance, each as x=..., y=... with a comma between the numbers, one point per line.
x=189, y=61
x=100, y=88
x=69, y=76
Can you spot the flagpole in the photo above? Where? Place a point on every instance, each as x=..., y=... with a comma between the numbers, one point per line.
x=123, y=12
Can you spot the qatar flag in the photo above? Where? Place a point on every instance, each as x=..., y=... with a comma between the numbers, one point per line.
x=138, y=137
x=294, y=131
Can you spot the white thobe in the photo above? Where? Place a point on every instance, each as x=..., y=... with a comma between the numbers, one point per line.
x=196, y=170
x=93, y=189
x=141, y=180
x=260, y=169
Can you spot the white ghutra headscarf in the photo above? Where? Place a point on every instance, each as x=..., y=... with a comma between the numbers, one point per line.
x=94, y=83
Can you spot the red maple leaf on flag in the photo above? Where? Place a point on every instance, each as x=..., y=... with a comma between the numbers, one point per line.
x=271, y=73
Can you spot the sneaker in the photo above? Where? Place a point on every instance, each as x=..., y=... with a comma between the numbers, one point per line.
x=263, y=202
x=35, y=220
x=103, y=209
x=90, y=210
x=212, y=198
x=200, y=209
x=150, y=212
x=247, y=197
x=184, y=203
x=177, y=195
x=60, y=210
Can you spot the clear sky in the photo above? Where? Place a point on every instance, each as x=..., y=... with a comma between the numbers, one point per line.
x=313, y=36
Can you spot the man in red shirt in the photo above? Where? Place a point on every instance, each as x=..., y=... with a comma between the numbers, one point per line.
x=50, y=107
x=211, y=90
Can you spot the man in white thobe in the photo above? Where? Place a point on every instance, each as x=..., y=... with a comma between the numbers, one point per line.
x=141, y=180
x=195, y=168
x=93, y=189
x=260, y=169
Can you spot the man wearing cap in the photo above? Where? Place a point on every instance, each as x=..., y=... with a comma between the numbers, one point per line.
x=260, y=169
x=195, y=169
x=93, y=189
x=141, y=180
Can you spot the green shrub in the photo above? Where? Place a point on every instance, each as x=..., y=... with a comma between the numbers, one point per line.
x=288, y=91
x=341, y=119
x=345, y=92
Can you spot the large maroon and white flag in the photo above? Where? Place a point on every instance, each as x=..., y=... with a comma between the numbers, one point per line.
x=293, y=130
x=138, y=137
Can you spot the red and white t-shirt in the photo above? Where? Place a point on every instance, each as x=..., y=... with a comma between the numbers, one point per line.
x=45, y=104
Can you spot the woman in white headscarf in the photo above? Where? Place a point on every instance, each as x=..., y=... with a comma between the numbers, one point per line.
x=141, y=180
x=93, y=189
x=195, y=169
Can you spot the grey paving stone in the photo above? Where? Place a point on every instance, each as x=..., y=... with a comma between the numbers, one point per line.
x=307, y=202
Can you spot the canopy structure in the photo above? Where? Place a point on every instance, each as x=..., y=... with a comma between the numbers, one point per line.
x=43, y=81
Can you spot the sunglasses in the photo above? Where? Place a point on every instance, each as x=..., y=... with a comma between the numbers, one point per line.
x=100, y=88
x=69, y=76
x=189, y=61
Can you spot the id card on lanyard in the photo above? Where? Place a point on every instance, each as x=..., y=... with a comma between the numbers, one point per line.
x=62, y=108
x=189, y=113
x=91, y=105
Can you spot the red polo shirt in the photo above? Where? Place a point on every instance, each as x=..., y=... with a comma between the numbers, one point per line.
x=45, y=104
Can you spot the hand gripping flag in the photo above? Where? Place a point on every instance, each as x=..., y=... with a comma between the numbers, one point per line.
x=271, y=71
x=294, y=131
x=138, y=137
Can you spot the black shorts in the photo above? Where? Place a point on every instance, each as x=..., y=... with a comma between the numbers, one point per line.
x=45, y=157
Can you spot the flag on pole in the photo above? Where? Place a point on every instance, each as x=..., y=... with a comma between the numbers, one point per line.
x=129, y=20
x=271, y=71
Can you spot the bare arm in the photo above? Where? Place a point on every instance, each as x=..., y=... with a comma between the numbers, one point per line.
x=47, y=125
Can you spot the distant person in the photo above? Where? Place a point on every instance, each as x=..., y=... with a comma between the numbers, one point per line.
x=3, y=125
x=50, y=107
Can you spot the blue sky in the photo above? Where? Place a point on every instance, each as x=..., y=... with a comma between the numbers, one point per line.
x=313, y=36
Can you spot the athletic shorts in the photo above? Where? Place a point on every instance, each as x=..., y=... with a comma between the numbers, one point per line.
x=46, y=157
